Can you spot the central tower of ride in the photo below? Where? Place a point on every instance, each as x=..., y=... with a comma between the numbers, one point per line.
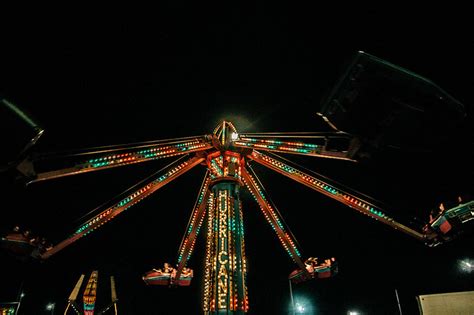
x=225, y=289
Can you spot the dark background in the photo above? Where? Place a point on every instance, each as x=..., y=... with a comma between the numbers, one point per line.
x=109, y=78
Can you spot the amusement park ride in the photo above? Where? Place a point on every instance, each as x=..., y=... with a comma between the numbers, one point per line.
x=228, y=155
x=90, y=296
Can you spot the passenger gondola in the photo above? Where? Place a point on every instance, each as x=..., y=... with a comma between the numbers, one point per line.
x=314, y=270
x=24, y=245
x=453, y=220
x=17, y=244
x=167, y=276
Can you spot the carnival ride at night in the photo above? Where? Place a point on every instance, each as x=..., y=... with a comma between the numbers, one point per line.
x=228, y=157
x=89, y=296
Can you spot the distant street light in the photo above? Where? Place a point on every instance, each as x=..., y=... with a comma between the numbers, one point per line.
x=353, y=313
x=299, y=308
x=466, y=265
x=300, y=305
x=50, y=307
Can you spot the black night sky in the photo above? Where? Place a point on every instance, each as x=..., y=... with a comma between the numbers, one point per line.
x=100, y=79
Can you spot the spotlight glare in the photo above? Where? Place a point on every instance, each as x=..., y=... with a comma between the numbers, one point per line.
x=466, y=265
x=300, y=308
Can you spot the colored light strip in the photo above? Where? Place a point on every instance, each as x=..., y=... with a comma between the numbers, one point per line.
x=282, y=146
x=316, y=150
x=272, y=218
x=90, y=294
x=274, y=148
x=216, y=166
x=323, y=187
x=208, y=303
x=170, y=174
x=299, y=144
x=145, y=155
x=199, y=204
x=245, y=301
x=127, y=202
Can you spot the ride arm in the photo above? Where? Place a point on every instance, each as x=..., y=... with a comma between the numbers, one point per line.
x=316, y=182
x=194, y=226
x=127, y=199
x=50, y=166
x=272, y=215
x=73, y=297
x=114, y=299
x=331, y=145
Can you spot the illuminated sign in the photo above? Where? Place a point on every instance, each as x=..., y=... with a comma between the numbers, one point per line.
x=222, y=276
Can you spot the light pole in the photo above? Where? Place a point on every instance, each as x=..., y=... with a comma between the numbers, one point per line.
x=398, y=302
x=291, y=296
x=301, y=305
x=21, y=296
x=50, y=307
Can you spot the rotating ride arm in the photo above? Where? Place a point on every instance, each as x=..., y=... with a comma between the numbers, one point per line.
x=323, y=186
x=332, y=145
x=50, y=166
x=73, y=297
x=194, y=226
x=127, y=199
x=114, y=299
x=272, y=215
